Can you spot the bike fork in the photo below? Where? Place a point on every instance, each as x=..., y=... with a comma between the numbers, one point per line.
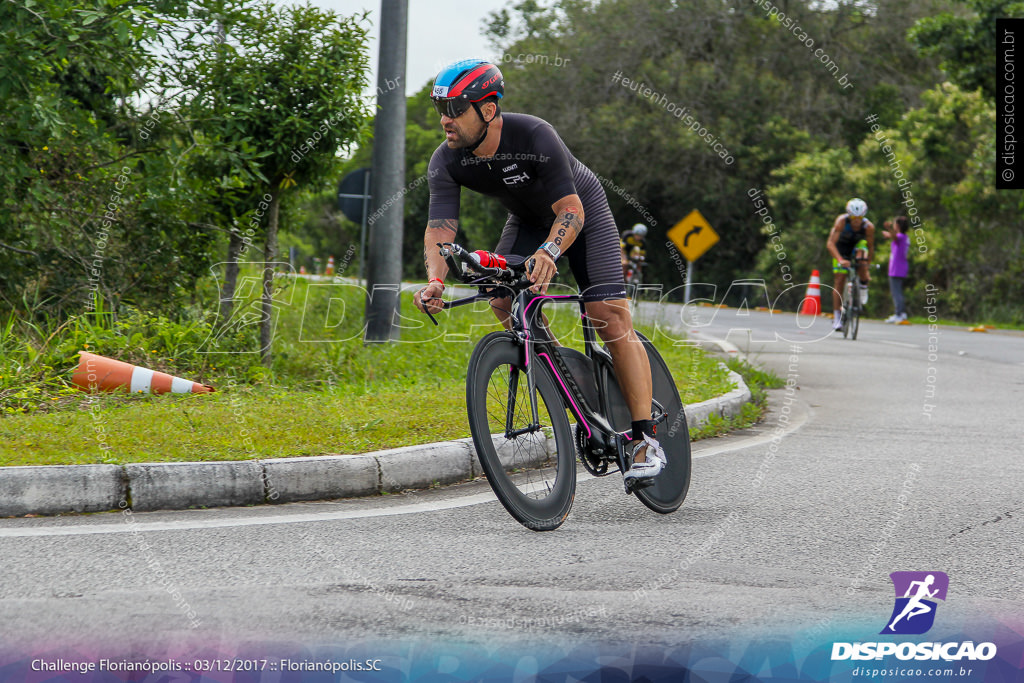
x=512, y=403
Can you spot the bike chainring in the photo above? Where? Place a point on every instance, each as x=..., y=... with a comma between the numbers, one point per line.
x=592, y=462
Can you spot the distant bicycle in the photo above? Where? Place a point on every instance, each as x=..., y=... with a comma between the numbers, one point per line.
x=634, y=256
x=520, y=386
x=634, y=270
x=852, y=305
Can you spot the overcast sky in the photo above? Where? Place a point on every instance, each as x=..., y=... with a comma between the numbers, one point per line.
x=440, y=32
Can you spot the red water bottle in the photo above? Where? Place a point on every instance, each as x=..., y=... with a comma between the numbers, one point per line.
x=491, y=260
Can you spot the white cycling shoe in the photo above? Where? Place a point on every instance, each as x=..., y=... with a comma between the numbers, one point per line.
x=654, y=461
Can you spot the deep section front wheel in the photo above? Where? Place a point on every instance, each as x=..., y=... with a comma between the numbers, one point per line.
x=530, y=463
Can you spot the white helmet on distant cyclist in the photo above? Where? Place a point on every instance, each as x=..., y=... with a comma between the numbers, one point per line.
x=856, y=207
x=640, y=230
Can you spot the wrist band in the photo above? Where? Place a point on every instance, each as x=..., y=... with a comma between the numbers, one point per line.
x=436, y=279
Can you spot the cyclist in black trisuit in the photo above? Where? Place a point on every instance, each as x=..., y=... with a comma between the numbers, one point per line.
x=522, y=162
x=850, y=232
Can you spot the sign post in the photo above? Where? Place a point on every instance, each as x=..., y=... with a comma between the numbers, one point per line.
x=693, y=236
x=384, y=244
x=354, y=202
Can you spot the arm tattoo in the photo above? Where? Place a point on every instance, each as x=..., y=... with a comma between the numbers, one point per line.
x=570, y=218
x=561, y=236
x=444, y=224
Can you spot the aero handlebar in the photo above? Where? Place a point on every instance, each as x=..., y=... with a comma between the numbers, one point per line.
x=465, y=266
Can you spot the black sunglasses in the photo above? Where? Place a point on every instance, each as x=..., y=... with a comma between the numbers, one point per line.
x=452, y=107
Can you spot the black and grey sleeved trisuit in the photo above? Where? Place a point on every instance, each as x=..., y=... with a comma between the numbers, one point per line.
x=531, y=170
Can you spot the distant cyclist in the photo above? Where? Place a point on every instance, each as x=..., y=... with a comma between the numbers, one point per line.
x=632, y=244
x=851, y=234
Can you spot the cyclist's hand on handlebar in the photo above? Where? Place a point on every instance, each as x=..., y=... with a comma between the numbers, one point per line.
x=845, y=263
x=541, y=272
x=428, y=299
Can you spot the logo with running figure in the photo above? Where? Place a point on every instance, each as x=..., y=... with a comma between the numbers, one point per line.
x=916, y=596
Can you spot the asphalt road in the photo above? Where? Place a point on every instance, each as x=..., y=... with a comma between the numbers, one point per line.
x=893, y=458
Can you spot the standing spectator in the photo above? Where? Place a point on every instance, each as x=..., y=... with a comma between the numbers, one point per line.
x=898, y=267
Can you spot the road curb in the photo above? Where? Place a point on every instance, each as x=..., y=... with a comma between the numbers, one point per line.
x=56, y=489
x=182, y=485
x=290, y=480
x=727, y=405
x=61, y=489
x=420, y=467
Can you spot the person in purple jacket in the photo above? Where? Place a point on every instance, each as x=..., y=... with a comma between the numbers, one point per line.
x=898, y=267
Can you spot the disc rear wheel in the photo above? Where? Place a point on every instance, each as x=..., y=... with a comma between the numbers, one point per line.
x=670, y=487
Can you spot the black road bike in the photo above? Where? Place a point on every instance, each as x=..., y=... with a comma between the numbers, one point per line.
x=522, y=387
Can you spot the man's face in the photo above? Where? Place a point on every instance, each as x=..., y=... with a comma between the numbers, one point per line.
x=463, y=130
x=855, y=221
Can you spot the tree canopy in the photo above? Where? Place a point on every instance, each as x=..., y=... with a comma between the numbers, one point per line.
x=787, y=88
x=140, y=137
x=86, y=204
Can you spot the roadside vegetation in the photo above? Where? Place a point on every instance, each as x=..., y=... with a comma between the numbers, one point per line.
x=132, y=201
x=759, y=381
x=325, y=393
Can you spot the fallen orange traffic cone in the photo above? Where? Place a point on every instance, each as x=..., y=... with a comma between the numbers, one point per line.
x=330, y=266
x=812, y=300
x=98, y=373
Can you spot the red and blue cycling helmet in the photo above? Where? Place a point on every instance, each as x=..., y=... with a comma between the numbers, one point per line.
x=464, y=84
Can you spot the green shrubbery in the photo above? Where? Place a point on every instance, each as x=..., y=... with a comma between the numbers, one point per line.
x=324, y=393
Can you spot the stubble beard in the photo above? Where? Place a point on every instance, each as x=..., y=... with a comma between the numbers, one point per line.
x=461, y=139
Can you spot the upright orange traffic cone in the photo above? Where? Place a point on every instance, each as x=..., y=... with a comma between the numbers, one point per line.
x=302, y=270
x=330, y=266
x=812, y=300
x=98, y=373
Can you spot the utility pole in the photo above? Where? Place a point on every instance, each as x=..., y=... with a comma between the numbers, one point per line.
x=384, y=272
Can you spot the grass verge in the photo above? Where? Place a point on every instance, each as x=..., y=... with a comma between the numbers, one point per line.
x=325, y=393
x=759, y=381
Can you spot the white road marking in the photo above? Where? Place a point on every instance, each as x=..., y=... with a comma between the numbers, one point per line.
x=182, y=525
x=125, y=527
x=896, y=343
x=752, y=441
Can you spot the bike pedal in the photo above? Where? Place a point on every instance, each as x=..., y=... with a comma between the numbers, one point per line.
x=643, y=483
x=634, y=485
